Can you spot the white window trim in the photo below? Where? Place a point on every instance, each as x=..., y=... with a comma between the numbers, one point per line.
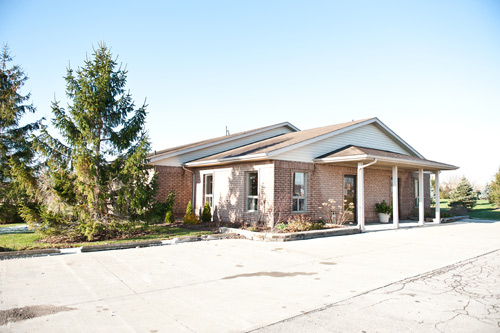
x=298, y=196
x=205, y=195
x=248, y=196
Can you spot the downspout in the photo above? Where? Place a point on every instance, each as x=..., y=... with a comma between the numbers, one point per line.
x=367, y=165
x=192, y=185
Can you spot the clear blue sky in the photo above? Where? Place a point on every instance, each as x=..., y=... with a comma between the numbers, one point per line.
x=430, y=70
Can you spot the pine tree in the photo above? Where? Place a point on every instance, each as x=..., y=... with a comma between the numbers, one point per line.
x=96, y=177
x=16, y=153
x=463, y=194
x=206, y=215
x=495, y=190
x=190, y=216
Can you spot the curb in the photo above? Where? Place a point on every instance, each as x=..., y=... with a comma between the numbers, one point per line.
x=109, y=247
x=454, y=218
x=28, y=253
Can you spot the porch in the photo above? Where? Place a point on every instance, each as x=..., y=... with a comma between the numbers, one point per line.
x=363, y=158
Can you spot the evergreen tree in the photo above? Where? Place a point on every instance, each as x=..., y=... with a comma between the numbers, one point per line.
x=16, y=152
x=463, y=194
x=95, y=178
x=206, y=215
x=495, y=190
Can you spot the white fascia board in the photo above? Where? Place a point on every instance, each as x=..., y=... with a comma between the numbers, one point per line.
x=319, y=138
x=392, y=160
x=155, y=158
x=227, y=160
x=395, y=136
x=351, y=158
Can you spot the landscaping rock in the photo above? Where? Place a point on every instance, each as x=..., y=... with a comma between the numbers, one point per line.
x=292, y=236
x=120, y=246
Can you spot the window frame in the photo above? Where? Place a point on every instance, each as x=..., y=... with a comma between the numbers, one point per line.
x=417, y=191
x=249, y=196
x=207, y=196
x=299, y=197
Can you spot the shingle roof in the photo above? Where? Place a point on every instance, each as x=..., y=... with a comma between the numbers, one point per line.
x=278, y=142
x=216, y=140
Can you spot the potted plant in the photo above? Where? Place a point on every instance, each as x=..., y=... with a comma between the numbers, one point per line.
x=384, y=211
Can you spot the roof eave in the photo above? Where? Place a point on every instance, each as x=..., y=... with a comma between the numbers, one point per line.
x=396, y=161
x=253, y=157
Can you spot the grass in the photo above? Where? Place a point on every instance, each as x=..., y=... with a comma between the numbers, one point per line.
x=31, y=240
x=482, y=210
x=11, y=225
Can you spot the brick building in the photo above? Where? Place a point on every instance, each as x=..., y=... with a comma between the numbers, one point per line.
x=266, y=174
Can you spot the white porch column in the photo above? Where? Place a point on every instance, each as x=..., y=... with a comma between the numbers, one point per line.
x=395, y=197
x=421, y=197
x=436, y=191
x=360, y=197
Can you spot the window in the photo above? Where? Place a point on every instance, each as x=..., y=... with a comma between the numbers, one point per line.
x=252, y=191
x=299, y=192
x=208, y=192
x=416, y=192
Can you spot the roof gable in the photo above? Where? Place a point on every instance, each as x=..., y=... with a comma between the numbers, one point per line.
x=311, y=143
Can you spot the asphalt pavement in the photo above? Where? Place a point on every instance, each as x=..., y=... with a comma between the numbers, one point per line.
x=439, y=278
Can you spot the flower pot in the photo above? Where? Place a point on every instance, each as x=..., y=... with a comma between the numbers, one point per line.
x=384, y=218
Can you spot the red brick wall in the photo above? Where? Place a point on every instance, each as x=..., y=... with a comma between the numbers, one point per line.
x=325, y=182
x=180, y=181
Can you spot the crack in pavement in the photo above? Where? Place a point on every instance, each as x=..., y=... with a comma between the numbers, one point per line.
x=461, y=296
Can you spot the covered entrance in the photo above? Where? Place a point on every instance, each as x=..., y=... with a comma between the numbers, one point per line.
x=362, y=158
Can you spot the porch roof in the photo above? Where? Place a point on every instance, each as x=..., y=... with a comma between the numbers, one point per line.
x=353, y=154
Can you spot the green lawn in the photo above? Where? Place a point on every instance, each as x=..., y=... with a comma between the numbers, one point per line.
x=30, y=240
x=482, y=210
x=11, y=225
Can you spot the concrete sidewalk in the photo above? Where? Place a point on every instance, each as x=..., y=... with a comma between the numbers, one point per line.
x=224, y=286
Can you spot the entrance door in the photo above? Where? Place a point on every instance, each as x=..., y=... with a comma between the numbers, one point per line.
x=350, y=198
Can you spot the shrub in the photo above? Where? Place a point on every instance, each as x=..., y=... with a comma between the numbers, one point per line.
x=281, y=226
x=383, y=208
x=169, y=217
x=9, y=213
x=463, y=195
x=445, y=214
x=169, y=208
x=206, y=215
x=298, y=223
x=316, y=226
x=190, y=217
x=458, y=210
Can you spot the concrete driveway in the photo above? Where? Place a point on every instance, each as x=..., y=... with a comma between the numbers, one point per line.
x=230, y=285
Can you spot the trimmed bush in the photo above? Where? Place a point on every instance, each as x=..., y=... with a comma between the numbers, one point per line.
x=206, y=215
x=190, y=217
x=169, y=217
